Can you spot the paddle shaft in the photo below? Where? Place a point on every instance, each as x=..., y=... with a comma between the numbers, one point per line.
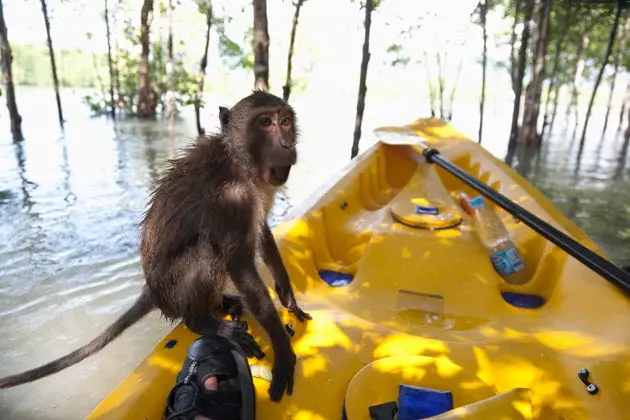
x=595, y=262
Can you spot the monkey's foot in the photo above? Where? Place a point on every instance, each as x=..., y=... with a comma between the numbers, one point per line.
x=232, y=305
x=215, y=382
x=236, y=332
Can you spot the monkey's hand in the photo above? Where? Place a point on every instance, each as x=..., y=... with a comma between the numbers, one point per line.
x=283, y=371
x=236, y=332
x=287, y=298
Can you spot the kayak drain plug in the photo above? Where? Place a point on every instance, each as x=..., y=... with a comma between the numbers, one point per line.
x=290, y=329
x=590, y=387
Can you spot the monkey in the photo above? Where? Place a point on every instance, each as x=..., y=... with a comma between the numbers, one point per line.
x=224, y=118
x=206, y=222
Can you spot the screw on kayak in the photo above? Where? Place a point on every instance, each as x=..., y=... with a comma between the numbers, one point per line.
x=344, y=205
x=590, y=387
x=290, y=329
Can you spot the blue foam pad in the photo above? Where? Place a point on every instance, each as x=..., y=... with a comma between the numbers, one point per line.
x=420, y=403
x=521, y=300
x=335, y=278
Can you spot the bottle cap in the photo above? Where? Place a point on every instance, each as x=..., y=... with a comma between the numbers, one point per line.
x=477, y=202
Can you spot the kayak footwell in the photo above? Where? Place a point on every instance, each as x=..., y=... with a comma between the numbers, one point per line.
x=399, y=297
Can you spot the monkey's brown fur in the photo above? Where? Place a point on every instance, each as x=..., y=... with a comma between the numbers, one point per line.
x=206, y=222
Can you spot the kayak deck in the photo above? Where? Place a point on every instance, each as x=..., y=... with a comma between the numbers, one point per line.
x=424, y=307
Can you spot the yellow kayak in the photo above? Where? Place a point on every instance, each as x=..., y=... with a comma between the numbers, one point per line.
x=401, y=298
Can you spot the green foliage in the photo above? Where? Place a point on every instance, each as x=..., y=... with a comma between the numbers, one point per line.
x=398, y=56
x=233, y=54
x=31, y=67
x=127, y=64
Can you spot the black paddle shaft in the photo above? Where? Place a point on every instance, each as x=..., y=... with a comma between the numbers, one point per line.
x=595, y=262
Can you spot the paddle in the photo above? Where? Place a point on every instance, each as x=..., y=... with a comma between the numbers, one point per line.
x=600, y=265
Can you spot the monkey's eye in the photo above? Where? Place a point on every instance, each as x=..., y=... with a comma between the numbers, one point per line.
x=285, y=121
x=265, y=121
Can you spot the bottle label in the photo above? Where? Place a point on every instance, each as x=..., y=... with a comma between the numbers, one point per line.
x=507, y=262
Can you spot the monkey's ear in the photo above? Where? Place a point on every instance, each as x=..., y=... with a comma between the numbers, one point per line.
x=224, y=117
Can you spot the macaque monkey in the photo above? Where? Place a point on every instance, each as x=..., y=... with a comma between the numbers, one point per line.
x=207, y=222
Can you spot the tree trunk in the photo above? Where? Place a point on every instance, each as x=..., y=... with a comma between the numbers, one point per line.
x=146, y=95
x=261, y=46
x=522, y=57
x=622, y=113
x=483, y=13
x=170, y=75
x=513, y=64
x=369, y=5
x=529, y=131
x=6, y=61
x=611, y=41
x=440, y=84
x=51, y=52
x=451, y=98
x=286, y=89
x=554, y=88
x=620, y=50
x=432, y=98
x=120, y=98
x=110, y=63
x=577, y=77
x=99, y=79
x=202, y=68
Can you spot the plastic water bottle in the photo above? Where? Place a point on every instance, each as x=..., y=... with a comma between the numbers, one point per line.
x=505, y=258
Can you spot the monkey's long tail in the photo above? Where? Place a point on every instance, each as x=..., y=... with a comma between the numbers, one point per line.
x=141, y=307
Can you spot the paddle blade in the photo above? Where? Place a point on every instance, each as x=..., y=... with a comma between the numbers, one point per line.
x=400, y=136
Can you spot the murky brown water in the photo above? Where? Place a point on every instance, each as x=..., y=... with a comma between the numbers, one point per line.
x=70, y=202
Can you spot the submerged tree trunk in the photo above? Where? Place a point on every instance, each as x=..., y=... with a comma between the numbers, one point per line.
x=554, y=87
x=146, y=96
x=626, y=98
x=620, y=50
x=483, y=13
x=170, y=75
x=369, y=6
x=432, y=98
x=522, y=57
x=286, y=89
x=611, y=41
x=513, y=64
x=261, y=46
x=529, y=131
x=202, y=68
x=110, y=63
x=51, y=52
x=6, y=61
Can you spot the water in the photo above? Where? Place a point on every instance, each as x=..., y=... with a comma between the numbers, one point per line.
x=70, y=202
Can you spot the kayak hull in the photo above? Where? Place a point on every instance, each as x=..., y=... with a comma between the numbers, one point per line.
x=395, y=301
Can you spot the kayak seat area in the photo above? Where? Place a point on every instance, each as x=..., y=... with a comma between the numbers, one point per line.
x=351, y=249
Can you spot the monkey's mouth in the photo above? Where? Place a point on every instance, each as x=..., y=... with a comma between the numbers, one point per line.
x=279, y=174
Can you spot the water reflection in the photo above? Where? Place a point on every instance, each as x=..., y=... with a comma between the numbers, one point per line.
x=70, y=202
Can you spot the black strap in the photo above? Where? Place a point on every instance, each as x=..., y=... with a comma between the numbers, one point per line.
x=222, y=405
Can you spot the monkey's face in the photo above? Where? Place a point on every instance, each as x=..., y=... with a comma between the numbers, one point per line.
x=278, y=137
